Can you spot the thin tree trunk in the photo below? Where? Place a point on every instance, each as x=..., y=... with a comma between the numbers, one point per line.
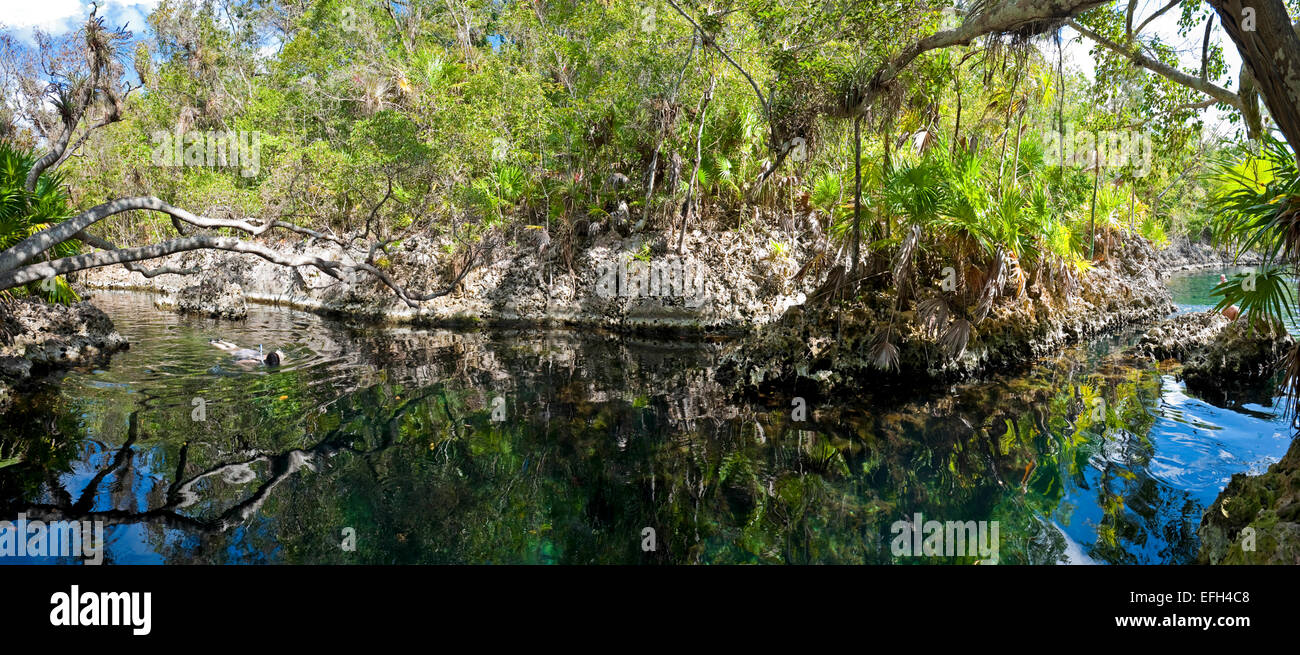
x=1060, y=108
x=889, y=167
x=654, y=160
x=956, y=128
x=699, y=136
x=857, y=194
x=1015, y=154
x=1006, y=127
x=1092, y=220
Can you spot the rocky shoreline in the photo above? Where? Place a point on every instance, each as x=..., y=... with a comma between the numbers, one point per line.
x=1184, y=255
x=784, y=341
x=731, y=287
x=637, y=284
x=836, y=352
x=724, y=283
x=37, y=338
x=1256, y=518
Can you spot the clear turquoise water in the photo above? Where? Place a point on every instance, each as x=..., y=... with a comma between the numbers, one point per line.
x=395, y=437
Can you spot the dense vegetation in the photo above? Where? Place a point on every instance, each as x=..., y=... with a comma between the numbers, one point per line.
x=975, y=148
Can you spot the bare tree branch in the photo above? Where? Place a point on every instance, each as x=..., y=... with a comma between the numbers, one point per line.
x=38, y=243
x=105, y=244
x=709, y=40
x=74, y=98
x=1008, y=16
x=112, y=117
x=11, y=260
x=1170, y=5
x=1164, y=70
x=44, y=270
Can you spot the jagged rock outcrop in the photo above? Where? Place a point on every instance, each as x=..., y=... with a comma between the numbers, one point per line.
x=1184, y=254
x=216, y=297
x=1180, y=336
x=724, y=282
x=37, y=337
x=1242, y=354
x=833, y=350
x=1256, y=519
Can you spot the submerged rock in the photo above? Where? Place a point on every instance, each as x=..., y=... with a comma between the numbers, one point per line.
x=37, y=337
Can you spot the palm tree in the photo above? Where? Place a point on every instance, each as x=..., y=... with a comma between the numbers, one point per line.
x=1257, y=207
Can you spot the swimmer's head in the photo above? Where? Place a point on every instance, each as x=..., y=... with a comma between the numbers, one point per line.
x=273, y=358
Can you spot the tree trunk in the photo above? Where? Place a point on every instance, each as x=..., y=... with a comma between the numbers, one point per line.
x=1092, y=220
x=889, y=167
x=857, y=194
x=1272, y=50
x=1006, y=127
x=956, y=129
x=699, y=155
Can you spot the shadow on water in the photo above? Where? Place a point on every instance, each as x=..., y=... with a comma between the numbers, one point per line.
x=550, y=446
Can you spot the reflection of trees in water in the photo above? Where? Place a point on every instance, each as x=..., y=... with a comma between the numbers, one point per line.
x=180, y=493
x=590, y=454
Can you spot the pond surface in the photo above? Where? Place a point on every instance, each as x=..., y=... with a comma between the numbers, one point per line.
x=429, y=446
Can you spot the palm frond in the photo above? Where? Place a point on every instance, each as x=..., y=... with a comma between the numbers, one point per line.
x=1264, y=294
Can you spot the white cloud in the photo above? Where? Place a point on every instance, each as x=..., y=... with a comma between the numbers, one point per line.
x=61, y=16
x=49, y=15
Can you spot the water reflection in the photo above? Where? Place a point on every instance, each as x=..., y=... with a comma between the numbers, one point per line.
x=393, y=433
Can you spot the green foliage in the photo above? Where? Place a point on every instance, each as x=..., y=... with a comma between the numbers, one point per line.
x=1257, y=201
x=24, y=213
x=1264, y=294
x=409, y=121
x=1154, y=231
x=827, y=191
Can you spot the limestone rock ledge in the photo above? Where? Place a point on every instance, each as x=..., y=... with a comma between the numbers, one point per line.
x=37, y=338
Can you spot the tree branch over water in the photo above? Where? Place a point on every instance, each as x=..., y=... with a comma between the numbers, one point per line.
x=13, y=273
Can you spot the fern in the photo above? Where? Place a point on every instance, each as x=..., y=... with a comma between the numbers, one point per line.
x=826, y=192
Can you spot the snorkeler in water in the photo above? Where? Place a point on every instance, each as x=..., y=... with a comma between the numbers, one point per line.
x=248, y=356
x=1230, y=312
